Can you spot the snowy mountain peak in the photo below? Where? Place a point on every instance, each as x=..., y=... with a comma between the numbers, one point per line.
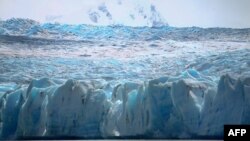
x=119, y=14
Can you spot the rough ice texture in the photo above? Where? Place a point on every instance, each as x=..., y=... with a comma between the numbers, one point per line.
x=114, y=92
x=188, y=106
x=55, y=31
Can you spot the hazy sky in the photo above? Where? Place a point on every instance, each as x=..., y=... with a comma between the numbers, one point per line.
x=181, y=13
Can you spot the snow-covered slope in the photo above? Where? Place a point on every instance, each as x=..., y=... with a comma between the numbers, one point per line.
x=188, y=107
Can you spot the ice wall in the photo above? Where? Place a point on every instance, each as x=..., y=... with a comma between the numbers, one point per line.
x=187, y=106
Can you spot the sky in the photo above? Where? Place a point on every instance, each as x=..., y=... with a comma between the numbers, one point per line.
x=178, y=13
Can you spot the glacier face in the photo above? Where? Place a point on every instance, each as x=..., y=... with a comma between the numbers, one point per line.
x=59, y=80
x=187, y=107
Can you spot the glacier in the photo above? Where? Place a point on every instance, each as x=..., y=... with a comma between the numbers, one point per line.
x=120, y=82
x=187, y=107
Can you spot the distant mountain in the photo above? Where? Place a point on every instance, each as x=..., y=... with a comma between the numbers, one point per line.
x=140, y=14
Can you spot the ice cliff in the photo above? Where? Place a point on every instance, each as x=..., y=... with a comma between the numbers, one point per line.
x=188, y=106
